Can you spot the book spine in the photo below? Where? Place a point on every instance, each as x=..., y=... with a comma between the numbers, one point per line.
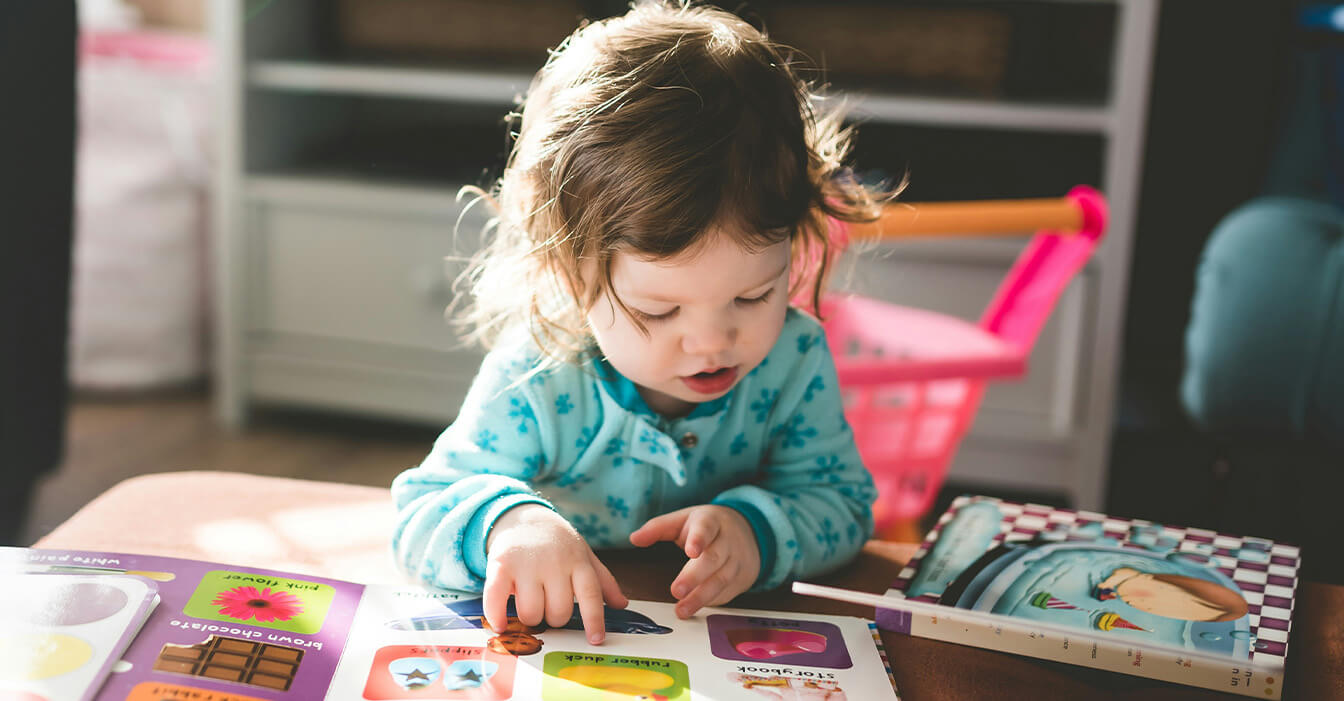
x=1112, y=654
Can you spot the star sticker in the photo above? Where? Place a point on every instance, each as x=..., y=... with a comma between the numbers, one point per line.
x=470, y=676
x=416, y=674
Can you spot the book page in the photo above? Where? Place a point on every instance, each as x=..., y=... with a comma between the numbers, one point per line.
x=409, y=643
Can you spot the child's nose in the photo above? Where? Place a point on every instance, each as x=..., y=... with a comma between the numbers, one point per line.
x=709, y=339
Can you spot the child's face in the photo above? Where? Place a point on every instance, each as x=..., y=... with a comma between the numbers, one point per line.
x=712, y=313
x=1145, y=593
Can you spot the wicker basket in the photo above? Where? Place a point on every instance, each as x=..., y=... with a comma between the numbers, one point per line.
x=923, y=48
x=511, y=30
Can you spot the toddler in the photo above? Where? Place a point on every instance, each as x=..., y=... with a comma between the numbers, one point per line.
x=647, y=380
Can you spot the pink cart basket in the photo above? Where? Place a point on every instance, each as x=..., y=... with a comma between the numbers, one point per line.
x=912, y=379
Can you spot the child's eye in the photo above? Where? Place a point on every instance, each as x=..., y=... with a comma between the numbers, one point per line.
x=649, y=318
x=748, y=301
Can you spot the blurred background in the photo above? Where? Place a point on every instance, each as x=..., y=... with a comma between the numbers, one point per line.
x=237, y=232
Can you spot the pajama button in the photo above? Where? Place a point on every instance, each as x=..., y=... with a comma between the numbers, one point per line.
x=689, y=440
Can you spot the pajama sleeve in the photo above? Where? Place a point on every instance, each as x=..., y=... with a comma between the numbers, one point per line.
x=811, y=510
x=481, y=466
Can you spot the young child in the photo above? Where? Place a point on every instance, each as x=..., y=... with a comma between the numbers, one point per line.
x=667, y=195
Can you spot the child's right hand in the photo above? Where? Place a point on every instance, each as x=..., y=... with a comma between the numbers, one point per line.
x=536, y=555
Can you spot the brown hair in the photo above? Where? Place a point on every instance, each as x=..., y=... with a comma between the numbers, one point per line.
x=1211, y=594
x=641, y=133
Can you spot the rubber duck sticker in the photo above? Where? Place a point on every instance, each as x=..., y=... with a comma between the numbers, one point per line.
x=582, y=676
x=619, y=682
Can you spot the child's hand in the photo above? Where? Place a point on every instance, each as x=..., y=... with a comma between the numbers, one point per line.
x=536, y=555
x=724, y=557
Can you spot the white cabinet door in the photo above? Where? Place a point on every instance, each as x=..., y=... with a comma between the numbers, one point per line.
x=347, y=290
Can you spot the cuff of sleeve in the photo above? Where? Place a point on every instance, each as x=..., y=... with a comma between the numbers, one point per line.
x=478, y=529
x=765, y=535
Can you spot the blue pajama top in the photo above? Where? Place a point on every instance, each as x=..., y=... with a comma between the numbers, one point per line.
x=580, y=440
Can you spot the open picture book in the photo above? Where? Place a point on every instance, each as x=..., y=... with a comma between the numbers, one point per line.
x=97, y=625
x=1183, y=605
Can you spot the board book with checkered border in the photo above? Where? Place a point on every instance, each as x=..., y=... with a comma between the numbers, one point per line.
x=1184, y=605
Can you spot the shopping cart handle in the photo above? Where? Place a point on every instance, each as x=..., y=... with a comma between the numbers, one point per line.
x=988, y=217
x=935, y=347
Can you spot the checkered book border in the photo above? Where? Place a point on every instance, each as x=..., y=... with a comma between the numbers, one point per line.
x=886, y=663
x=1265, y=571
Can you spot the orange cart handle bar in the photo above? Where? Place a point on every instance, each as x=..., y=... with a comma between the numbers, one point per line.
x=978, y=218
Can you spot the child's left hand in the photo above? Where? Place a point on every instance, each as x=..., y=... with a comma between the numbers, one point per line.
x=724, y=557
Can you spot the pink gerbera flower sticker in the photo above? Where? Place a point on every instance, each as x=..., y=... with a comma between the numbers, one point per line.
x=244, y=603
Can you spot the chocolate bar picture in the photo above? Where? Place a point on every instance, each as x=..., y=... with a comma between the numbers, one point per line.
x=233, y=660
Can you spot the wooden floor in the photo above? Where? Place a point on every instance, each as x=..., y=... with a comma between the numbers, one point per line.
x=109, y=439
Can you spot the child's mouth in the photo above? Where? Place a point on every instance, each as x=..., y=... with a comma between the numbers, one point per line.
x=711, y=381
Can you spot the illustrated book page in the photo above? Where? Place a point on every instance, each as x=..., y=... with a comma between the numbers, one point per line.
x=231, y=633
x=411, y=643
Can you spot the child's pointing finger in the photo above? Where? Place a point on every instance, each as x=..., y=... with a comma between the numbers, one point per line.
x=588, y=593
x=660, y=528
x=495, y=601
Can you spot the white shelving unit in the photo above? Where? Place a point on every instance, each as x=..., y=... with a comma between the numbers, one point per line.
x=484, y=87
x=332, y=282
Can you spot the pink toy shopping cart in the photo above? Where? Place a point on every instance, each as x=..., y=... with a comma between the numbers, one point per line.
x=912, y=379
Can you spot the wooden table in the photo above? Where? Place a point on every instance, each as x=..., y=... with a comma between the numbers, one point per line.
x=342, y=531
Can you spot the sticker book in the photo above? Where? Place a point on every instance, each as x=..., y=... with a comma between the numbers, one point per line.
x=129, y=627
x=1182, y=605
